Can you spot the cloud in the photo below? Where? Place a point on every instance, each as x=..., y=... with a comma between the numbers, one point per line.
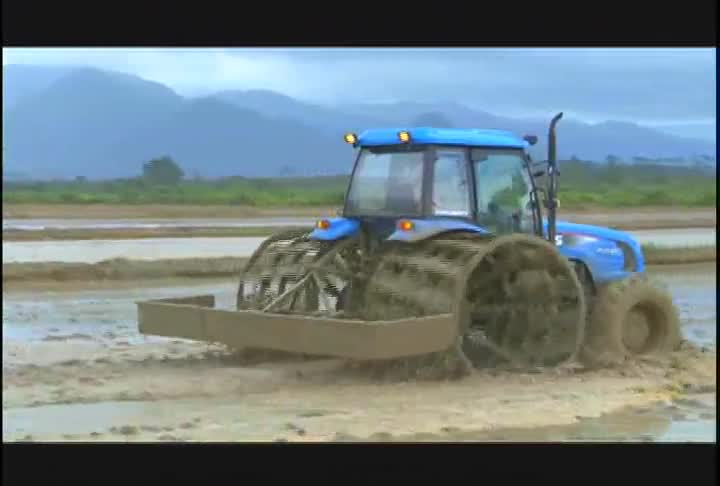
x=655, y=85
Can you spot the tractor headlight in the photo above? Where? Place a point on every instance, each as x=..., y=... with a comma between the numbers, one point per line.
x=351, y=138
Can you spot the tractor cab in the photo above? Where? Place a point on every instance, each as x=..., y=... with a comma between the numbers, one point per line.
x=472, y=177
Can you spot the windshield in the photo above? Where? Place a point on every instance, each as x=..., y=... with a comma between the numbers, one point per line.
x=387, y=183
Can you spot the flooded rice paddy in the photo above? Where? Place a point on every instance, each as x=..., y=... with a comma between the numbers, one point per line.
x=75, y=368
x=93, y=251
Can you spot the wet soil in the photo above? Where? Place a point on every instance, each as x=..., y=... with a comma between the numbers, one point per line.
x=75, y=369
x=117, y=270
x=122, y=271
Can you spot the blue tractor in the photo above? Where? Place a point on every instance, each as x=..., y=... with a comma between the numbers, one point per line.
x=447, y=241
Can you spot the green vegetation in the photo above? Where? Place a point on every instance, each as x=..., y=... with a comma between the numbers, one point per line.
x=279, y=192
x=581, y=185
x=613, y=185
x=162, y=171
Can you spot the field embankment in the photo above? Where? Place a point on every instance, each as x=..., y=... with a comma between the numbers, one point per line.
x=156, y=211
x=119, y=270
x=97, y=222
x=655, y=255
x=139, y=233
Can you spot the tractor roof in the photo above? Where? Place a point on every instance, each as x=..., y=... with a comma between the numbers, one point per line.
x=447, y=136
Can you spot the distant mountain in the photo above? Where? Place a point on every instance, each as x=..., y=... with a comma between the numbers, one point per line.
x=334, y=121
x=217, y=139
x=85, y=123
x=101, y=124
x=594, y=142
x=704, y=130
x=67, y=122
x=20, y=81
x=588, y=141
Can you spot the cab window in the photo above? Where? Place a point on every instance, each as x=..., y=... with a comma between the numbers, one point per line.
x=503, y=191
x=387, y=183
x=450, y=196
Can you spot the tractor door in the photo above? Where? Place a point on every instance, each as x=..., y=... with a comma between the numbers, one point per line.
x=450, y=194
x=502, y=190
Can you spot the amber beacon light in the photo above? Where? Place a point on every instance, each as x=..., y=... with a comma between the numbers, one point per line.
x=323, y=224
x=406, y=225
x=351, y=138
x=404, y=136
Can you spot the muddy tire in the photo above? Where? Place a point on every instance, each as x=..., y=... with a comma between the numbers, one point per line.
x=281, y=239
x=291, y=258
x=517, y=300
x=631, y=319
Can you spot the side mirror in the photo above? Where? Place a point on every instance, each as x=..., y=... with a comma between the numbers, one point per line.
x=531, y=139
x=539, y=169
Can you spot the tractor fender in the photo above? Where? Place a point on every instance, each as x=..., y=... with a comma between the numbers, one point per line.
x=608, y=254
x=338, y=228
x=426, y=228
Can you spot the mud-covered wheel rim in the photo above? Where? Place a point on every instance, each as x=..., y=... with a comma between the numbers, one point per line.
x=637, y=330
x=434, y=277
x=315, y=273
x=645, y=327
x=242, y=300
x=522, y=301
x=631, y=318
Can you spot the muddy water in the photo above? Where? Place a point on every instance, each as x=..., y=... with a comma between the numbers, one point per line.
x=75, y=368
x=92, y=251
x=677, y=237
x=664, y=216
x=683, y=420
x=694, y=288
x=43, y=224
x=103, y=316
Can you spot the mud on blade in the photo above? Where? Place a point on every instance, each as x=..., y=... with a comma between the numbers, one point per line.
x=196, y=318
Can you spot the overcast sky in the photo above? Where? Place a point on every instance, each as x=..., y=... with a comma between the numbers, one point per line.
x=658, y=87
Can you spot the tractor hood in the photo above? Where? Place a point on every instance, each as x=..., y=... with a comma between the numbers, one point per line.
x=596, y=231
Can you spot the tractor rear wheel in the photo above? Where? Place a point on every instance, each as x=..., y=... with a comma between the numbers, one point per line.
x=522, y=304
x=292, y=273
x=517, y=300
x=630, y=319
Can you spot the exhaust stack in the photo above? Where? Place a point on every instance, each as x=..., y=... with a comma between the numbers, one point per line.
x=552, y=203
